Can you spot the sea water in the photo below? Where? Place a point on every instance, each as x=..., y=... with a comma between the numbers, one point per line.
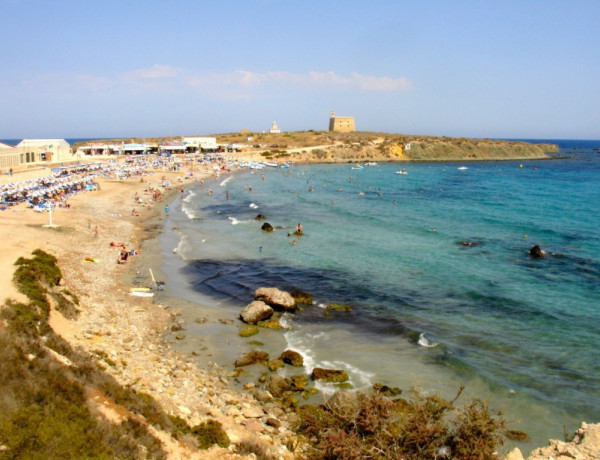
x=435, y=265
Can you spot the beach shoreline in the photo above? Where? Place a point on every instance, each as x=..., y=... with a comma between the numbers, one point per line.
x=131, y=332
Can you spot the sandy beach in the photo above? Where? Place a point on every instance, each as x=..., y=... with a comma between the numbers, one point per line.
x=128, y=329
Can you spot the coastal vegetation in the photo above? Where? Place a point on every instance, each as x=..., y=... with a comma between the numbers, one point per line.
x=372, y=425
x=50, y=393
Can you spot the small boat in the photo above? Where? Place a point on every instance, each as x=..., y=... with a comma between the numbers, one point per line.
x=402, y=171
x=270, y=164
x=462, y=168
x=357, y=167
x=371, y=163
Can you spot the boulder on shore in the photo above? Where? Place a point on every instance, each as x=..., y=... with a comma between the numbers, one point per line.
x=280, y=300
x=253, y=357
x=267, y=227
x=260, y=217
x=256, y=311
x=329, y=375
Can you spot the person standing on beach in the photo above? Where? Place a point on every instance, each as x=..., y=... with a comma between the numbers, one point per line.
x=167, y=209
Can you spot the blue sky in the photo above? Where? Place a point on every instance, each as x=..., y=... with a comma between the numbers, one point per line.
x=502, y=69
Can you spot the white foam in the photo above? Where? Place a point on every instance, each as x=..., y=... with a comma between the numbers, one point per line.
x=183, y=248
x=254, y=206
x=424, y=341
x=191, y=194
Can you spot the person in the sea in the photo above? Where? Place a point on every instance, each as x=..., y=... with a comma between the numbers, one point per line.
x=299, y=229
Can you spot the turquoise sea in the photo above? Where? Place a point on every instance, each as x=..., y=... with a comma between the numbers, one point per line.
x=435, y=265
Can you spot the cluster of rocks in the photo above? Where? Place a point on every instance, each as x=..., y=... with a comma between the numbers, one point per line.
x=268, y=301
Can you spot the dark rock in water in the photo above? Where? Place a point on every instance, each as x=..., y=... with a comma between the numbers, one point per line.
x=253, y=357
x=267, y=227
x=302, y=297
x=329, y=375
x=339, y=307
x=260, y=217
x=292, y=357
x=537, y=252
x=277, y=385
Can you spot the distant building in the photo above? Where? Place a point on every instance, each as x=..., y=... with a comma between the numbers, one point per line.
x=274, y=129
x=44, y=151
x=341, y=124
x=201, y=144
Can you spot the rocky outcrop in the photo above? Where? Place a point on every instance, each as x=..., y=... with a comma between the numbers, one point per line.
x=585, y=445
x=280, y=300
x=255, y=312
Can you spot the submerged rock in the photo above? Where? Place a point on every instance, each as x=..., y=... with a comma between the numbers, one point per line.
x=302, y=297
x=339, y=307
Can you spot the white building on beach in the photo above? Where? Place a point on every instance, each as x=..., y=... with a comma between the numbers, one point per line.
x=44, y=150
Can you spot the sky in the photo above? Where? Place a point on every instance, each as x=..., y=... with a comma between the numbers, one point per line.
x=127, y=68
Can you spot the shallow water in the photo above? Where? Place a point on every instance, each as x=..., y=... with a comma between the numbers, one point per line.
x=435, y=264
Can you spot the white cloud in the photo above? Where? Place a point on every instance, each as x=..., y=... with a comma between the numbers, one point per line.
x=235, y=85
x=155, y=72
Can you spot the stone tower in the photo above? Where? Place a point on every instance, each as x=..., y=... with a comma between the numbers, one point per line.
x=341, y=124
